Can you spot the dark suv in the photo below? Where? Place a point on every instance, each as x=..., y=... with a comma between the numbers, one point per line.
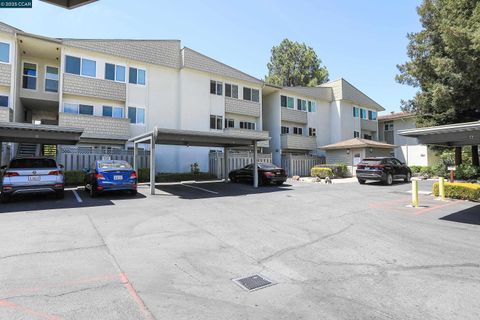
x=382, y=169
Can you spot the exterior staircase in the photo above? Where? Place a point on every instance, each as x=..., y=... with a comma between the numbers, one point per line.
x=28, y=150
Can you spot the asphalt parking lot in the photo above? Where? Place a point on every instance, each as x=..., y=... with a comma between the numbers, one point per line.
x=341, y=251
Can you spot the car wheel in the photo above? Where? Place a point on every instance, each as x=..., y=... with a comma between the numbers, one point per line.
x=389, y=179
x=361, y=181
x=279, y=183
x=4, y=198
x=408, y=177
x=232, y=179
x=60, y=194
x=133, y=192
x=93, y=193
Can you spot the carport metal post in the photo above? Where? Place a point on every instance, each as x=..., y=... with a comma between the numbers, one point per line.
x=135, y=153
x=153, y=139
x=1, y=152
x=225, y=164
x=255, y=166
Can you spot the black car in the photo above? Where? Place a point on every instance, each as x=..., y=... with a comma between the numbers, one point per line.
x=382, y=169
x=268, y=173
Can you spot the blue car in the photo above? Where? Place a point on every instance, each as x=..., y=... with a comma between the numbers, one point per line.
x=110, y=175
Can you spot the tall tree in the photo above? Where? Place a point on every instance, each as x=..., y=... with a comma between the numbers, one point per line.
x=295, y=64
x=444, y=63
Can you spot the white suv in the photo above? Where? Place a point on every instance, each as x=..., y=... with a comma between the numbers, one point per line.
x=32, y=175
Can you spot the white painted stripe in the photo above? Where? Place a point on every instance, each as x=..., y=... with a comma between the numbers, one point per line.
x=206, y=190
x=79, y=200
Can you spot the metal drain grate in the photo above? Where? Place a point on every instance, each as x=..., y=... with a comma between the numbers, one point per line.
x=254, y=282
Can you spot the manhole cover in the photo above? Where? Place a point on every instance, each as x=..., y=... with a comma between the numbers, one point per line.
x=254, y=282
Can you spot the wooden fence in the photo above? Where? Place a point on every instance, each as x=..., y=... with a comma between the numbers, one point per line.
x=78, y=158
x=300, y=165
x=235, y=161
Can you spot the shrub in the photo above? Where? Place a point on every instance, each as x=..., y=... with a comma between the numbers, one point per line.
x=143, y=174
x=466, y=172
x=440, y=170
x=195, y=168
x=321, y=172
x=339, y=170
x=415, y=169
x=459, y=190
x=74, y=177
x=426, y=171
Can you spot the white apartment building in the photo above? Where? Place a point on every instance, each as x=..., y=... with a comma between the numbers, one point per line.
x=303, y=119
x=115, y=89
x=408, y=150
x=118, y=89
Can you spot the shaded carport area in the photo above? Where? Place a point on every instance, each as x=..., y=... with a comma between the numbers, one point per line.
x=15, y=132
x=225, y=140
x=452, y=135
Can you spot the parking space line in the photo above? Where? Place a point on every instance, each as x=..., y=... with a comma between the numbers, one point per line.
x=206, y=190
x=77, y=196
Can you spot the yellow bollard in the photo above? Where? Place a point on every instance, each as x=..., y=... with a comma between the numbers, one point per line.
x=415, y=193
x=441, y=188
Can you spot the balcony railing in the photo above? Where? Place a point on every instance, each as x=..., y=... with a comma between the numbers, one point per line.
x=96, y=127
x=92, y=87
x=298, y=142
x=293, y=115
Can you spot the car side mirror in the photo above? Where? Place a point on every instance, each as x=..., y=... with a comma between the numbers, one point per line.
x=85, y=170
x=3, y=167
x=61, y=166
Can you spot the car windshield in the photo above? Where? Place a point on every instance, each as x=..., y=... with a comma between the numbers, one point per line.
x=371, y=161
x=114, y=165
x=32, y=163
x=267, y=166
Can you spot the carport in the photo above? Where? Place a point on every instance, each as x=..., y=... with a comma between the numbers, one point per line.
x=37, y=134
x=221, y=139
x=452, y=135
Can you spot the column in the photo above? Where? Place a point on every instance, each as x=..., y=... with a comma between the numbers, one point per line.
x=152, y=164
x=458, y=156
x=135, y=153
x=1, y=153
x=475, y=161
x=255, y=166
x=225, y=164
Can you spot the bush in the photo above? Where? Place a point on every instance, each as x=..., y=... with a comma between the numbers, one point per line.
x=321, y=172
x=426, y=171
x=143, y=174
x=440, y=170
x=415, y=169
x=466, y=172
x=339, y=170
x=185, y=176
x=459, y=190
x=74, y=177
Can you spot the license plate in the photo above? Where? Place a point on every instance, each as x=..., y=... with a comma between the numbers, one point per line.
x=117, y=177
x=33, y=178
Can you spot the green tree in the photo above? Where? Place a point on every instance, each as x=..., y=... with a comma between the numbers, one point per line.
x=295, y=64
x=444, y=63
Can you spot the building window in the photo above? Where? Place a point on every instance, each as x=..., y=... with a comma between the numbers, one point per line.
x=290, y=102
x=367, y=136
x=113, y=112
x=250, y=94
x=136, y=115
x=78, y=108
x=297, y=130
x=51, y=79
x=85, y=109
x=372, y=115
x=29, y=76
x=355, y=112
x=4, y=52
x=79, y=66
x=136, y=76
x=231, y=90
x=302, y=104
x=363, y=114
x=216, y=87
x=312, y=132
x=389, y=126
x=285, y=130
x=4, y=101
x=356, y=134
x=229, y=123
x=312, y=106
x=216, y=122
x=114, y=72
x=283, y=101
x=247, y=125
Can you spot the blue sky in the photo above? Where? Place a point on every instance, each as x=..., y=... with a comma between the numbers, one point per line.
x=361, y=41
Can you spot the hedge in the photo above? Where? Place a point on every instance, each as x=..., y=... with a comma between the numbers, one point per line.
x=459, y=190
x=74, y=177
x=339, y=170
x=321, y=172
x=185, y=176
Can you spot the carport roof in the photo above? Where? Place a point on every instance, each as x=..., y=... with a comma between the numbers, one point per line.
x=459, y=134
x=358, y=143
x=234, y=138
x=38, y=133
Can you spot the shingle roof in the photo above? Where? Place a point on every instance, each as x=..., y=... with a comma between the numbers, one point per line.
x=358, y=143
x=344, y=90
x=195, y=60
x=395, y=116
